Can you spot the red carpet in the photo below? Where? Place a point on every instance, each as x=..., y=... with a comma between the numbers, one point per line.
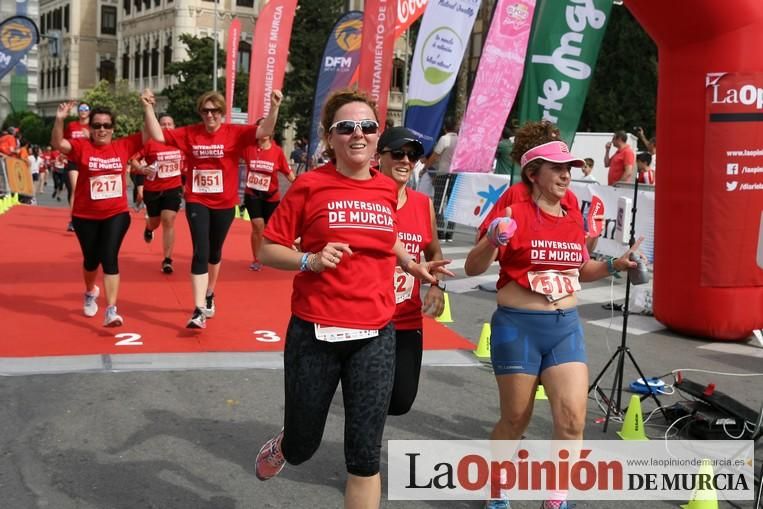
x=41, y=295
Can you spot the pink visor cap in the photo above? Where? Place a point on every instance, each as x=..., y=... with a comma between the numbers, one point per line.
x=553, y=152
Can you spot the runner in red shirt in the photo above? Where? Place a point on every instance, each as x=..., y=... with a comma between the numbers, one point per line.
x=212, y=150
x=399, y=149
x=100, y=213
x=263, y=162
x=343, y=302
x=535, y=332
x=161, y=190
x=75, y=130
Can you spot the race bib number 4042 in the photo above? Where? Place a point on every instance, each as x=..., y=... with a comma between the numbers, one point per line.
x=257, y=181
x=554, y=284
x=207, y=181
x=103, y=187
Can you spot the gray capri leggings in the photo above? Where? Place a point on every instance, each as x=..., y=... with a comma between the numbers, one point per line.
x=312, y=371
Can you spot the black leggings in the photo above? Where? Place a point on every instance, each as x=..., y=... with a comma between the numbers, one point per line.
x=58, y=181
x=312, y=371
x=407, y=369
x=100, y=240
x=209, y=228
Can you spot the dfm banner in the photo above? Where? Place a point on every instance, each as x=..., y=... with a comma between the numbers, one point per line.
x=732, y=225
x=564, y=46
x=378, y=43
x=709, y=113
x=338, y=64
x=440, y=46
x=495, y=87
x=234, y=35
x=18, y=34
x=408, y=11
x=270, y=51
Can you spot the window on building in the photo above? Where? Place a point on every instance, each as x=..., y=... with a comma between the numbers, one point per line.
x=396, y=83
x=138, y=5
x=157, y=3
x=42, y=80
x=136, y=67
x=108, y=20
x=42, y=24
x=66, y=75
x=108, y=71
x=244, y=57
x=245, y=3
x=49, y=77
x=66, y=17
x=155, y=61
x=167, y=55
x=126, y=4
x=58, y=77
x=147, y=4
x=125, y=66
x=57, y=18
x=146, y=63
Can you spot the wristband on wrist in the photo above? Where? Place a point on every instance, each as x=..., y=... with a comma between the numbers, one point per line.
x=304, y=266
x=611, y=266
x=439, y=284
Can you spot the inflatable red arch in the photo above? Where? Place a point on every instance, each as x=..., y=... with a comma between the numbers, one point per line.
x=709, y=203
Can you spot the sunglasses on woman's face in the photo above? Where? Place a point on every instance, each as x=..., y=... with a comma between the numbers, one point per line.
x=213, y=111
x=349, y=126
x=398, y=155
x=95, y=126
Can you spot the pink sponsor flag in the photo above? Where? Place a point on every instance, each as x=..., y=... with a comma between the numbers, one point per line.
x=376, y=51
x=234, y=34
x=495, y=87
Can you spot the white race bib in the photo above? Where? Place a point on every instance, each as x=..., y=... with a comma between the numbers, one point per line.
x=333, y=334
x=554, y=284
x=403, y=285
x=103, y=187
x=168, y=169
x=207, y=181
x=257, y=181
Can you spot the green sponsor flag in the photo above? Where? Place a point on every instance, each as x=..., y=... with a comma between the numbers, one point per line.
x=564, y=45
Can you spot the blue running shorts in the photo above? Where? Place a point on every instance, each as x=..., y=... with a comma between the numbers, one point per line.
x=526, y=341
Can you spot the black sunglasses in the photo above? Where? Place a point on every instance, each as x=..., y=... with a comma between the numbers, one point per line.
x=214, y=111
x=399, y=154
x=95, y=126
x=349, y=126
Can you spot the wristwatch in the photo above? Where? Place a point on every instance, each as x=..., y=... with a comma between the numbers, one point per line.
x=439, y=284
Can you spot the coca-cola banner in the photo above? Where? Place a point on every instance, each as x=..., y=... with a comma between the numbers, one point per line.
x=234, y=34
x=732, y=204
x=408, y=11
x=375, y=67
x=270, y=50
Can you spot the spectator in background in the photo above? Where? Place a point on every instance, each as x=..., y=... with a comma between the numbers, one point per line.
x=298, y=157
x=45, y=165
x=442, y=181
x=35, y=162
x=645, y=173
x=503, y=162
x=8, y=143
x=650, y=145
x=621, y=163
x=587, y=169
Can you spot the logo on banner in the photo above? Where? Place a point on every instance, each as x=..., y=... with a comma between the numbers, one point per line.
x=406, y=8
x=348, y=35
x=731, y=186
x=441, y=56
x=17, y=36
x=516, y=16
x=490, y=198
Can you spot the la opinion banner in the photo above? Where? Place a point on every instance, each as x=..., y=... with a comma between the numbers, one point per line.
x=18, y=34
x=495, y=87
x=732, y=201
x=270, y=51
x=234, y=34
x=338, y=64
x=440, y=48
x=563, y=50
x=378, y=42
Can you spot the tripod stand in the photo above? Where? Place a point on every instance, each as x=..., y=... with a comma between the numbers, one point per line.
x=623, y=350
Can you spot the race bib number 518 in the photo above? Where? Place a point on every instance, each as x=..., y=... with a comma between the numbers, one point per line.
x=554, y=284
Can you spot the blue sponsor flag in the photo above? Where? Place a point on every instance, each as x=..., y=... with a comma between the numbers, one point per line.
x=18, y=35
x=337, y=68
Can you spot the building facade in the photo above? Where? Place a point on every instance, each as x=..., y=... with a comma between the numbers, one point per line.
x=18, y=89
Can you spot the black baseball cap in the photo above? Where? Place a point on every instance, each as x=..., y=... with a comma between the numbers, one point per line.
x=394, y=138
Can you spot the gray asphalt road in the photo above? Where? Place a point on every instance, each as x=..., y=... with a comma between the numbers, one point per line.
x=187, y=438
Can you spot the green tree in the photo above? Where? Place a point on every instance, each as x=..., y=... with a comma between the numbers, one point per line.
x=623, y=90
x=194, y=79
x=33, y=127
x=312, y=24
x=124, y=104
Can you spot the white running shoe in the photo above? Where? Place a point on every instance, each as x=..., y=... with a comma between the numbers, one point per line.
x=112, y=319
x=90, y=307
x=209, y=309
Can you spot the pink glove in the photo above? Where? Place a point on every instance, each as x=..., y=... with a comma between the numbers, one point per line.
x=501, y=229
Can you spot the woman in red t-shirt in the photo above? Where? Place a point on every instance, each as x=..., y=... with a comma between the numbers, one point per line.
x=399, y=149
x=212, y=151
x=536, y=335
x=342, y=305
x=100, y=215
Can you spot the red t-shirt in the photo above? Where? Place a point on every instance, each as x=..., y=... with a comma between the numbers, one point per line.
x=169, y=166
x=212, y=161
x=262, y=164
x=325, y=206
x=518, y=193
x=101, y=190
x=542, y=242
x=617, y=163
x=76, y=131
x=415, y=231
x=646, y=177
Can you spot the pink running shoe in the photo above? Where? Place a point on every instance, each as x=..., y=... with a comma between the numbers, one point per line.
x=270, y=460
